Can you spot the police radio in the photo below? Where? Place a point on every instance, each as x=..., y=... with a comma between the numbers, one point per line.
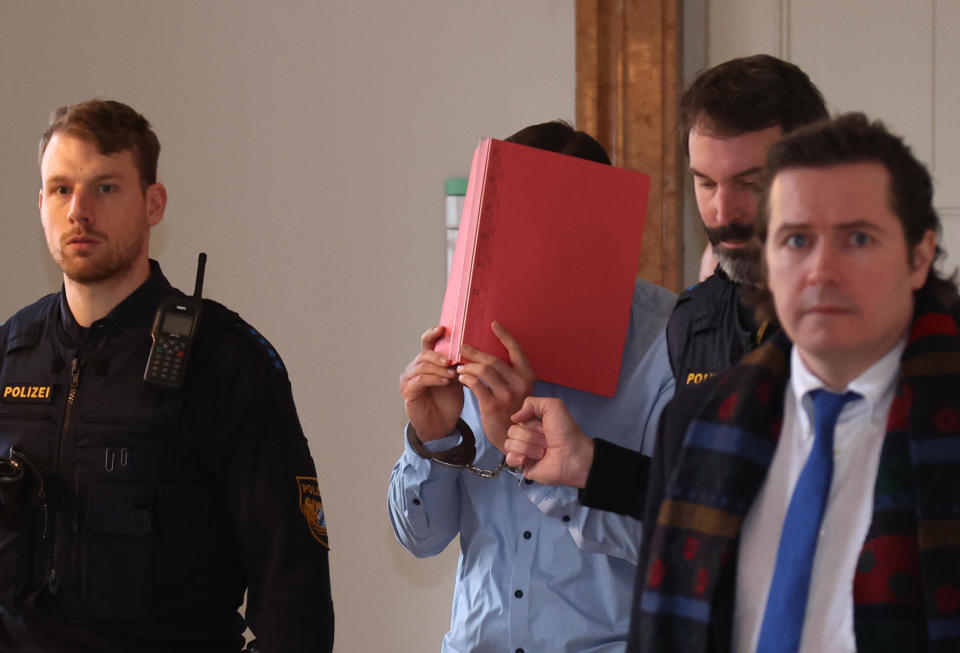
x=174, y=332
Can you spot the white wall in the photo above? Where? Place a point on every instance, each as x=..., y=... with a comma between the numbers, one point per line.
x=895, y=60
x=305, y=146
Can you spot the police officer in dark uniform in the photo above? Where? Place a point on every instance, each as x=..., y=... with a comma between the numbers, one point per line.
x=134, y=515
x=729, y=116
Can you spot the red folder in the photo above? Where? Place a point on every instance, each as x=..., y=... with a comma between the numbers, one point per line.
x=548, y=246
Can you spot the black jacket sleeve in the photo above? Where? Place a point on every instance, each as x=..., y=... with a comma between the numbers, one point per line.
x=268, y=483
x=617, y=479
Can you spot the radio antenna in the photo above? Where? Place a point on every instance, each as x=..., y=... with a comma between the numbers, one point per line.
x=201, y=265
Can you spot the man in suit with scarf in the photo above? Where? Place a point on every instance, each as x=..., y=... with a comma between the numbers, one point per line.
x=775, y=528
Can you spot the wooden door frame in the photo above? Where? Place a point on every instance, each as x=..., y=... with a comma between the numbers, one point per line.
x=628, y=84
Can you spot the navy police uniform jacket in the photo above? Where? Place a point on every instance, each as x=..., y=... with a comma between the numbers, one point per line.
x=709, y=330
x=133, y=517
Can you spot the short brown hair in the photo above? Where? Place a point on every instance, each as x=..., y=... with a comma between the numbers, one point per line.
x=113, y=127
x=853, y=138
x=749, y=94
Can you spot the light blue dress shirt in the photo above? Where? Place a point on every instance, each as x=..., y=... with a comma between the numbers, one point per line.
x=539, y=572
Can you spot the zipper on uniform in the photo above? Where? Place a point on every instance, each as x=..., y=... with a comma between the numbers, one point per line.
x=71, y=398
x=53, y=578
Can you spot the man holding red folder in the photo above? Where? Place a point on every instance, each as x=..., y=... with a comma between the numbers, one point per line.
x=538, y=570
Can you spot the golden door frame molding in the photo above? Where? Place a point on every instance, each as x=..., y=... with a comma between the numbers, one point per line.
x=628, y=72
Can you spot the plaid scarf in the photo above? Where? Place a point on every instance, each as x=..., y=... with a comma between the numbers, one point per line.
x=907, y=584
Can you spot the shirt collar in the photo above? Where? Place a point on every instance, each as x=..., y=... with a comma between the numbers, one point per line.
x=876, y=383
x=134, y=313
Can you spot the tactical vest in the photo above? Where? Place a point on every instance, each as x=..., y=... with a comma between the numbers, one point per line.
x=707, y=332
x=127, y=524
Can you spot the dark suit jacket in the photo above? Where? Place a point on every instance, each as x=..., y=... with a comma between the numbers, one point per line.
x=714, y=447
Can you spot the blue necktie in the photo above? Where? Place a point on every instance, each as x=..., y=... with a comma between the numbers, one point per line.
x=787, y=601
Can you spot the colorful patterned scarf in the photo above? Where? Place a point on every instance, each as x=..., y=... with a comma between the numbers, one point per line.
x=907, y=583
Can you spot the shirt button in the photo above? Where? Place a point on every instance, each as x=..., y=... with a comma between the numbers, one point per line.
x=519, y=650
x=528, y=481
x=518, y=594
x=527, y=535
x=566, y=518
x=416, y=502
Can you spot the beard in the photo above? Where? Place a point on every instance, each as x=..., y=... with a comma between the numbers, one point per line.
x=743, y=264
x=109, y=260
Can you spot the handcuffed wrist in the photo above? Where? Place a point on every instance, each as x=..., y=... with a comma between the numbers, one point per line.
x=462, y=454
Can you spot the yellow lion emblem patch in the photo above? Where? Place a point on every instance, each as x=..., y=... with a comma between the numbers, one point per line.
x=312, y=508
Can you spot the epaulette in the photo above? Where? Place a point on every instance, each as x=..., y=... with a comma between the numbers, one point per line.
x=262, y=346
x=217, y=320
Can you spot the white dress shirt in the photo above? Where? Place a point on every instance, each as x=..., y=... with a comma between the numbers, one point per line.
x=858, y=439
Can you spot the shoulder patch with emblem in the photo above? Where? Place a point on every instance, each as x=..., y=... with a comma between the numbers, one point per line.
x=312, y=508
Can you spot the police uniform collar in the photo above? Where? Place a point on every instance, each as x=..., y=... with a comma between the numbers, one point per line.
x=723, y=275
x=132, y=314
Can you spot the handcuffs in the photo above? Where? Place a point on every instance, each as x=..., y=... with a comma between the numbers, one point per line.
x=460, y=456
